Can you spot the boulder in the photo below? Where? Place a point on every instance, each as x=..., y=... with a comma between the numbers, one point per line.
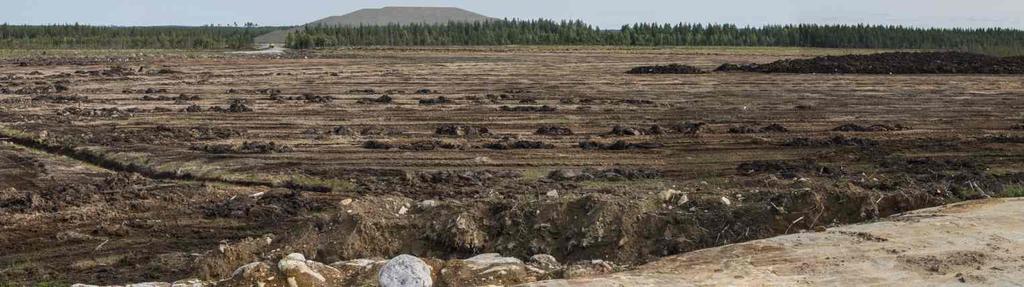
x=405, y=271
x=297, y=272
x=253, y=274
x=191, y=283
x=588, y=268
x=544, y=262
x=487, y=269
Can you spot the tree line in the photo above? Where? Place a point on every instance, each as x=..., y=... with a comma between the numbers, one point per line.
x=517, y=32
x=74, y=36
x=547, y=32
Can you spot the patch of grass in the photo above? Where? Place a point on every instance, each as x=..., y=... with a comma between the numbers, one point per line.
x=129, y=158
x=315, y=183
x=38, y=284
x=534, y=174
x=716, y=181
x=14, y=133
x=1014, y=191
x=52, y=284
x=25, y=265
x=627, y=185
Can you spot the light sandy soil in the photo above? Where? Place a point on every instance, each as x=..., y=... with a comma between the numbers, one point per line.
x=977, y=243
x=273, y=50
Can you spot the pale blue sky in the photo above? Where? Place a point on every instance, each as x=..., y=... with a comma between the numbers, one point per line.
x=605, y=13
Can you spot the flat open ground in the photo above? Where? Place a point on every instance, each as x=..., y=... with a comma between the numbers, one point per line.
x=116, y=168
x=971, y=243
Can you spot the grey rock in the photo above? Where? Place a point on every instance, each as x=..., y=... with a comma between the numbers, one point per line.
x=405, y=271
x=588, y=268
x=545, y=262
x=488, y=260
x=428, y=204
x=296, y=270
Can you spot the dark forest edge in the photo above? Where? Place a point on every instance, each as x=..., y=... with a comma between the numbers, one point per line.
x=996, y=41
x=109, y=37
x=999, y=41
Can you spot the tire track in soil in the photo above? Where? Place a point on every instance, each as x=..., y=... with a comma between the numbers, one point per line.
x=148, y=172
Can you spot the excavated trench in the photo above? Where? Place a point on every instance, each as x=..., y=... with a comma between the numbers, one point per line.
x=627, y=229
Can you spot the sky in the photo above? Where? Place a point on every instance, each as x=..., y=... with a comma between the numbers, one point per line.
x=604, y=13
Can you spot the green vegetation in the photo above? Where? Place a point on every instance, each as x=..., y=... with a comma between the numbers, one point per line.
x=631, y=186
x=546, y=32
x=517, y=32
x=1015, y=191
x=102, y=37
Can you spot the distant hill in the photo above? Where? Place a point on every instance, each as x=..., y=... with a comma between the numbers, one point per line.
x=384, y=16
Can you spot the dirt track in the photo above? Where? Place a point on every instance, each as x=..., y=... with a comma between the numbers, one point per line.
x=975, y=243
x=161, y=160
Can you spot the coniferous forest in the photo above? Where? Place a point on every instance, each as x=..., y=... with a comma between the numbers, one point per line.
x=104, y=37
x=547, y=32
x=518, y=32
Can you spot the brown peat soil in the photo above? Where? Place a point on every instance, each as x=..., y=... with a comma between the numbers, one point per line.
x=157, y=166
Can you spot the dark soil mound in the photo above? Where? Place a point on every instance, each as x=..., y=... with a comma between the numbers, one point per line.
x=166, y=71
x=235, y=107
x=163, y=134
x=618, y=145
x=101, y=112
x=372, y=144
x=834, y=141
x=342, y=131
x=193, y=108
x=385, y=99
x=506, y=145
x=459, y=178
x=256, y=147
x=441, y=100
x=690, y=128
x=891, y=63
x=461, y=130
x=381, y=131
x=772, y=128
x=61, y=99
x=180, y=97
x=788, y=170
x=873, y=128
x=612, y=174
x=554, y=131
x=668, y=69
x=42, y=88
x=426, y=145
x=311, y=98
x=1002, y=139
x=631, y=131
x=638, y=102
x=544, y=108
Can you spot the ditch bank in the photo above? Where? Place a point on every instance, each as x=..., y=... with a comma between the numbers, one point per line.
x=621, y=229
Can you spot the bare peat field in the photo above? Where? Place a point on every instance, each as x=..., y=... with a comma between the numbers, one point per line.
x=133, y=167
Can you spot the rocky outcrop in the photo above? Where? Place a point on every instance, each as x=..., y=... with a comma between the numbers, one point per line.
x=490, y=269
